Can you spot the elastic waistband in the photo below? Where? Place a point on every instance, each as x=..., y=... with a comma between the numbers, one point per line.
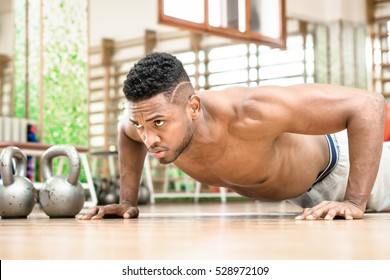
x=333, y=159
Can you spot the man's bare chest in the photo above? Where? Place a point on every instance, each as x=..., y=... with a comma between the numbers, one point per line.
x=234, y=167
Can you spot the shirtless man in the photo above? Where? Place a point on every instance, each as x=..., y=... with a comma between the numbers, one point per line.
x=267, y=143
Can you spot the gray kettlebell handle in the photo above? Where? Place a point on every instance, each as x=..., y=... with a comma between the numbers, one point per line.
x=61, y=150
x=7, y=155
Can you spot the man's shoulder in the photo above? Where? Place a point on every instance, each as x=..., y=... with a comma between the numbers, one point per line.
x=235, y=93
x=230, y=96
x=245, y=102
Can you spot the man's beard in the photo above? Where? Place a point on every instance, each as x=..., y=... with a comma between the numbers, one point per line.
x=182, y=147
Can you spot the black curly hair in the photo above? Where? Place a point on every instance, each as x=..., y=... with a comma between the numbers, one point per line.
x=155, y=73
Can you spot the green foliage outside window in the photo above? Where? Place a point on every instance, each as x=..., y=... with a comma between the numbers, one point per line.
x=64, y=62
x=52, y=49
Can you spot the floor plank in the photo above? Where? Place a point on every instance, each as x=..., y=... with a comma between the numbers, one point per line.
x=205, y=230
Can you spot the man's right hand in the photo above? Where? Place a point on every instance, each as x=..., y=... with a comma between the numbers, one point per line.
x=117, y=210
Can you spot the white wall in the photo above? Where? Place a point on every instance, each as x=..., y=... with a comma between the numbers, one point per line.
x=353, y=10
x=327, y=10
x=122, y=19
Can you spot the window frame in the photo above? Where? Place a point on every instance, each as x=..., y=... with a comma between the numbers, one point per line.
x=248, y=36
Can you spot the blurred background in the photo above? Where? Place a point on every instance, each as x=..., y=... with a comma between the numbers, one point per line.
x=62, y=64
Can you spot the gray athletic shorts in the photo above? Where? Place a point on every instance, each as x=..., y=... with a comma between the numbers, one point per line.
x=333, y=186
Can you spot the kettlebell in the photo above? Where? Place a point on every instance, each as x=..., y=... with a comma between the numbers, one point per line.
x=108, y=191
x=61, y=196
x=17, y=193
x=112, y=194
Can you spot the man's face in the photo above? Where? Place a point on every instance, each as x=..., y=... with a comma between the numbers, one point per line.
x=165, y=128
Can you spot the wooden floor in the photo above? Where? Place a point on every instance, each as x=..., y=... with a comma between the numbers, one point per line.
x=205, y=230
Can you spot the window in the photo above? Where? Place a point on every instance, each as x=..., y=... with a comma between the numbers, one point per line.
x=255, y=21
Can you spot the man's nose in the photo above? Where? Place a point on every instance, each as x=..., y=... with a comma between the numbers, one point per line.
x=151, y=139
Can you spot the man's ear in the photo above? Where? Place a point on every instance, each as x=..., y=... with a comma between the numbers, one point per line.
x=194, y=105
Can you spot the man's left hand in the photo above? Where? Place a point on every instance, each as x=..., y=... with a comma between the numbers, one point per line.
x=328, y=210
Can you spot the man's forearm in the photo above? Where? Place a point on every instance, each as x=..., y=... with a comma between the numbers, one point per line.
x=129, y=189
x=365, y=139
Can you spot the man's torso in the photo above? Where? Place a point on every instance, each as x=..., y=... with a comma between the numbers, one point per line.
x=245, y=147
x=256, y=164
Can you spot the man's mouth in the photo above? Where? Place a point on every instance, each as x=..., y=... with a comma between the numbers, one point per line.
x=158, y=154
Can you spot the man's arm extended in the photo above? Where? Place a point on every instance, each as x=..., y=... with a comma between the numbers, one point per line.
x=364, y=120
x=323, y=109
x=131, y=155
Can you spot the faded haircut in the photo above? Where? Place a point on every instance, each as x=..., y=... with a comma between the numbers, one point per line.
x=156, y=73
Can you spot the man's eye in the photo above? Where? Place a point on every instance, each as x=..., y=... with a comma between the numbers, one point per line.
x=137, y=125
x=159, y=123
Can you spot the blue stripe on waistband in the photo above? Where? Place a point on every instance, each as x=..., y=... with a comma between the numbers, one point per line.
x=333, y=158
